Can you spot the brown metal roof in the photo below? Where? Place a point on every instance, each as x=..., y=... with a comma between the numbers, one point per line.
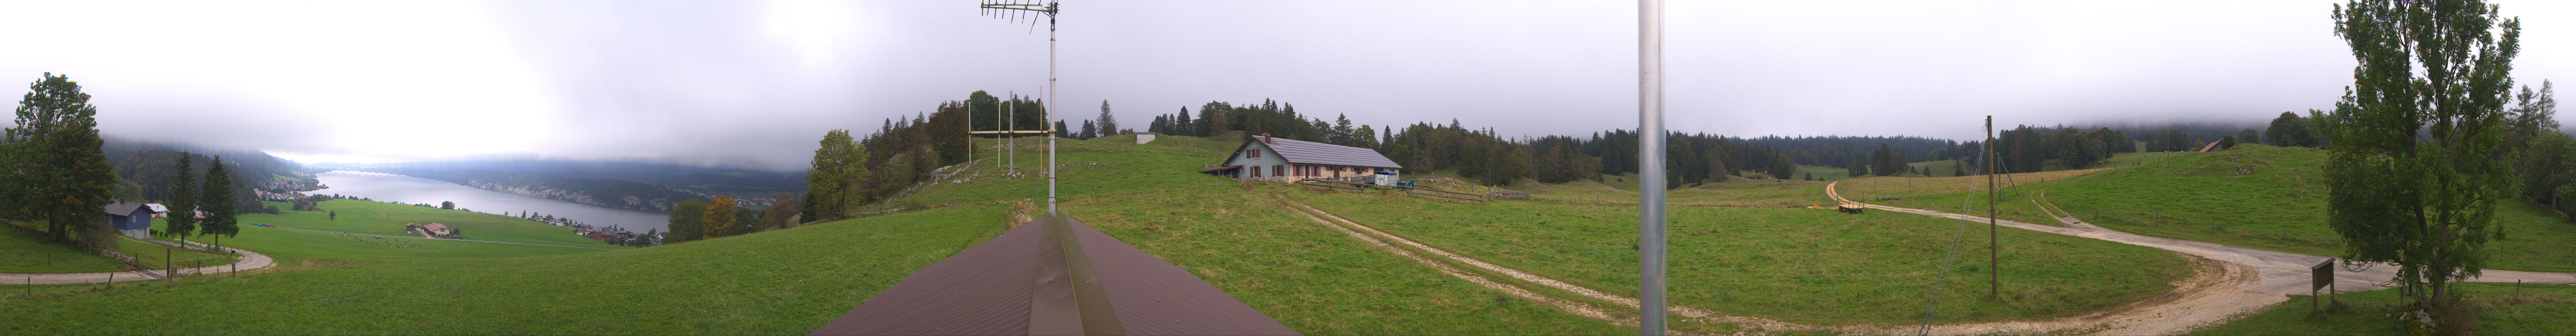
x=1064, y=276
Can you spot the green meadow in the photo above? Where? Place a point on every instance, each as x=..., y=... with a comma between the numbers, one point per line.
x=1307, y=276
x=31, y=254
x=2272, y=198
x=776, y=282
x=1798, y=265
x=371, y=217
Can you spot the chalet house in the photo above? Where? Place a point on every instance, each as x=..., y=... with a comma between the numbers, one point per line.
x=131, y=219
x=158, y=211
x=1283, y=160
x=434, y=230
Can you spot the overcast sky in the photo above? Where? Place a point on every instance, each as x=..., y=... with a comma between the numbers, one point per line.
x=754, y=84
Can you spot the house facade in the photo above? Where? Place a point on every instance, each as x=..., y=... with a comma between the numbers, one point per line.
x=432, y=229
x=130, y=219
x=1284, y=160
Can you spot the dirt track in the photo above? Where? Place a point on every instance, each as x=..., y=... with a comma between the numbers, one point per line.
x=2275, y=274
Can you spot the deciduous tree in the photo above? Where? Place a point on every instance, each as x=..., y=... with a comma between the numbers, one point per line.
x=687, y=221
x=832, y=183
x=2418, y=160
x=55, y=169
x=719, y=217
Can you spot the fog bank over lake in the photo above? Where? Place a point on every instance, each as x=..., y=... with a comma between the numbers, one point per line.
x=414, y=190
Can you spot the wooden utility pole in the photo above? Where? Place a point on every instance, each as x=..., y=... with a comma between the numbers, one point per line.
x=1994, y=276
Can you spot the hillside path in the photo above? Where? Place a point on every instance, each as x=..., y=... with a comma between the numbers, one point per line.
x=249, y=261
x=2280, y=273
x=444, y=239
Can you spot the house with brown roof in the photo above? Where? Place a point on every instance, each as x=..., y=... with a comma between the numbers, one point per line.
x=1267, y=158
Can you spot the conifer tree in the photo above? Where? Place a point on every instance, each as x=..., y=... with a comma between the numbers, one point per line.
x=1857, y=168
x=1108, y=123
x=183, y=201
x=216, y=199
x=1181, y=124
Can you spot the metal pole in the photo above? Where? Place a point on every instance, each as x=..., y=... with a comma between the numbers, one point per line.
x=1994, y=277
x=1050, y=109
x=1013, y=145
x=1650, y=161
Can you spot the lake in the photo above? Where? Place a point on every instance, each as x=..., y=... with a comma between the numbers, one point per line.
x=414, y=190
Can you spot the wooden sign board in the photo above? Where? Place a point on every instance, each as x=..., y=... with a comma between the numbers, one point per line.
x=2322, y=273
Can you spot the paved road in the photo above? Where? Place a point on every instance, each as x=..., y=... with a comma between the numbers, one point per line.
x=249, y=261
x=2282, y=272
x=441, y=239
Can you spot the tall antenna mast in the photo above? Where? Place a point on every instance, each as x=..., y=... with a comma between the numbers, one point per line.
x=1015, y=10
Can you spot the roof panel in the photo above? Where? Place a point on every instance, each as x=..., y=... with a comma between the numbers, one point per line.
x=1308, y=152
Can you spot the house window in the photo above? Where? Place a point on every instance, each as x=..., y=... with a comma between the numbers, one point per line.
x=1252, y=153
x=1256, y=171
x=1278, y=170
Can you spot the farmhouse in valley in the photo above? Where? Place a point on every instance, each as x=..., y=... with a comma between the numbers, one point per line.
x=1266, y=158
x=131, y=219
x=432, y=229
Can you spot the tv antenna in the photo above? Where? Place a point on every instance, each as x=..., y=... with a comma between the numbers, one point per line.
x=1016, y=10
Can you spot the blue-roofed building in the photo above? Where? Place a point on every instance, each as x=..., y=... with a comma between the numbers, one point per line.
x=131, y=219
x=1266, y=158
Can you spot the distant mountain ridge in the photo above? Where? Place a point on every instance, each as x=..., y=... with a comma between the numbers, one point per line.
x=700, y=180
x=584, y=190
x=144, y=171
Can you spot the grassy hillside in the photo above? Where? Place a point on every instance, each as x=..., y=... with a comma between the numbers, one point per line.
x=31, y=254
x=2271, y=198
x=2500, y=309
x=777, y=282
x=1966, y=194
x=1621, y=190
x=1089, y=167
x=790, y=281
x=1799, y=265
x=371, y=217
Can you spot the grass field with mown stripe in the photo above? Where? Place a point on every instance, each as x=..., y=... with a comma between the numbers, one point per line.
x=1798, y=265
